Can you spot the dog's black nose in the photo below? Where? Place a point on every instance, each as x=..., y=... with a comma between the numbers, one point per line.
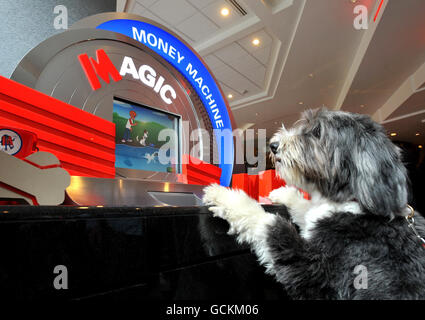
x=274, y=146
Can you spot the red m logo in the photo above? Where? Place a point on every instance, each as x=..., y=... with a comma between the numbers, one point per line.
x=102, y=67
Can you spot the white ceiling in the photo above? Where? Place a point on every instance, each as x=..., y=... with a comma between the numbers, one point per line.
x=309, y=55
x=239, y=66
x=194, y=20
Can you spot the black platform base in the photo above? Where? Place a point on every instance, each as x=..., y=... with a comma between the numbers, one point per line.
x=165, y=253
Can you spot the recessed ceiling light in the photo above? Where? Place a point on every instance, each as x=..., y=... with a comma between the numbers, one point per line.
x=311, y=75
x=362, y=106
x=300, y=102
x=420, y=146
x=230, y=96
x=353, y=1
x=256, y=113
x=275, y=122
x=225, y=12
x=417, y=134
x=256, y=42
x=393, y=134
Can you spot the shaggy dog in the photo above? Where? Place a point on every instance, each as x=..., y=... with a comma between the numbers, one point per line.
x=356, y=238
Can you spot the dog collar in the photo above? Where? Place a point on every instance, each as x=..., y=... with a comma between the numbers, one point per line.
x=411, y=223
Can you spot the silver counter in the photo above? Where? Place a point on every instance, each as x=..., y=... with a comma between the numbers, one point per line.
x=85, y=191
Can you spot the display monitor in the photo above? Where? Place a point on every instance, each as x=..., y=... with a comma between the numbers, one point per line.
x=139, y=145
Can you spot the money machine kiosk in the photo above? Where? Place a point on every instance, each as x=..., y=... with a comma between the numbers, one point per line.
x=95, y=105
x=155, y=90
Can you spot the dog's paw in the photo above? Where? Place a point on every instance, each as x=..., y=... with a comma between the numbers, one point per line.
x=218, y=198
x=228, y=204
x=244, y=215
x=218, y=212
x=215, y=195
x=275, y=195
x=287, y=196
x=222, y=213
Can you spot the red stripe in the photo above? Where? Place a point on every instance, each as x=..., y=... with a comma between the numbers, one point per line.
x=56, y=138
x=54, y=106
x=56, y=122
x=79, y=162
x=20, y=192
x=75, y=170
x=379, y=9
x=42, y=167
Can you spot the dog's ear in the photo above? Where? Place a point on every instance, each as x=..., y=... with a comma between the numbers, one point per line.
x=311, y=114
x=379, y=180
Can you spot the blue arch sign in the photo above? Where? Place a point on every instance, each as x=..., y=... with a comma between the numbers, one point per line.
x=193, y=69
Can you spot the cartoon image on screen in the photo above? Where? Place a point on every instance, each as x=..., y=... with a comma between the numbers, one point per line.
x=136, y=136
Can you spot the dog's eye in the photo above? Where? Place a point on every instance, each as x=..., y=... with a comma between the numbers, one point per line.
x=316, y=132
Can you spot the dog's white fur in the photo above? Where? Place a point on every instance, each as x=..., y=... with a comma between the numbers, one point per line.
x=248, y=219
x=306, y=213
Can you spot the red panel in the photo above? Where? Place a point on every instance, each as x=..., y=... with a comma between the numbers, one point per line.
x=268, y=181
x=43, y=118
x=83, y=142
x=240, y=181
x=195, y=171
x=55, y=107
x=259, y=186
x=193, y=175
x=201, y=166
x=78, y=162
x=56, y=136
x=247, y=183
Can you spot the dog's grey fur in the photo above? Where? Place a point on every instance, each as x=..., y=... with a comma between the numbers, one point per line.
x=344, y=161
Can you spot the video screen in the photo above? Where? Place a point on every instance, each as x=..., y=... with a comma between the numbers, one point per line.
x=137, y=130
